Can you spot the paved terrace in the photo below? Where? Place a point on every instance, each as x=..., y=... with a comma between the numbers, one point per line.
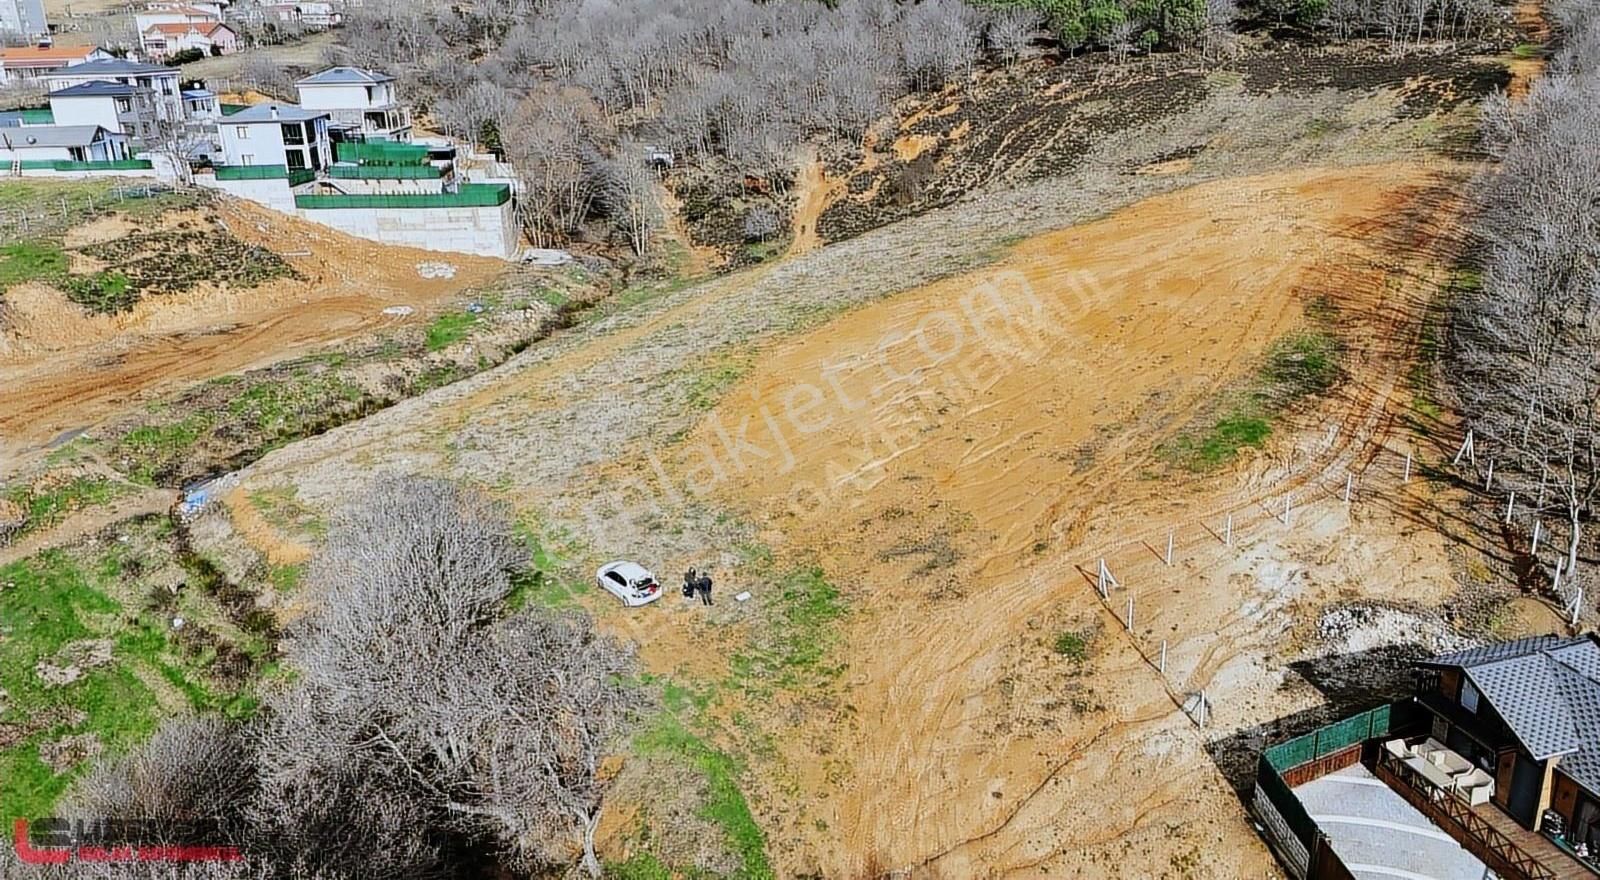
x=1380, y=836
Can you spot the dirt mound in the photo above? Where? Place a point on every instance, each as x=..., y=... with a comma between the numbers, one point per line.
x=61, y=368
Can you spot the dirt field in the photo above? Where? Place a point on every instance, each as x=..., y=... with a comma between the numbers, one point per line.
x=971, y=708
x=62, y=369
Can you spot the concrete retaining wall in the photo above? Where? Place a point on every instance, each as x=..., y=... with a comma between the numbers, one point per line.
x=491, y=232
x=274, y=192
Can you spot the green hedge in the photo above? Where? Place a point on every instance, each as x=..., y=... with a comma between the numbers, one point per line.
x=69, y=165
x=381, y=153
x=472, y=195
x=372, y=171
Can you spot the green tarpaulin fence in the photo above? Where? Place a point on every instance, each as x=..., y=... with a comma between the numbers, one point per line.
x=472, y=195
x=69, y=165
x=373, y=171
x=381, y=153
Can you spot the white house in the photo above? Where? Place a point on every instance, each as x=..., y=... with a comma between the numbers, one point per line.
x=22, y=63
x=201, y=106
x=209, y=38
x=276, y=134
x=23, y=18
x=76, y=143
x=159, y=83
x=117, y=107
x=363, y=102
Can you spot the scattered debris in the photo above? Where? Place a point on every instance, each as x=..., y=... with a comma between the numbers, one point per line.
x=436, y=270
x=475, y=308
x=177, y=623
x=546, y=257
x=398, y=311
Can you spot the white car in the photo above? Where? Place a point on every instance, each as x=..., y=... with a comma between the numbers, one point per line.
x=630, y=582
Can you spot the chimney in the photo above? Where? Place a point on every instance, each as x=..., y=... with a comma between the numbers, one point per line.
x=274, y=111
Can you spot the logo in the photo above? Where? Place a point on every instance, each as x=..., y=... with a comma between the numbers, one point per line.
x=62, y=841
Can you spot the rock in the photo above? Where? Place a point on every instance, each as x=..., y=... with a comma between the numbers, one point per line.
x=436, y=270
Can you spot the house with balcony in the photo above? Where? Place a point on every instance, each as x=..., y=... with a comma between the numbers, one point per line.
x=1488, y=770
x=117, y=107
x=1526, y=713
x=276, y=135
x=158, y=83
x=362, y=104
x=25, y=63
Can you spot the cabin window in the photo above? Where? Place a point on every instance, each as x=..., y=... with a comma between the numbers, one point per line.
x=1469, y=696
x=242, y=132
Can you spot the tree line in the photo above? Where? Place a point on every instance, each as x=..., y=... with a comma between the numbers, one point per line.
x=1525, y=338
x=424, y=732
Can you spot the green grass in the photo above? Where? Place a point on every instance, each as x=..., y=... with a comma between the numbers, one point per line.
x=545, y=584
x=151, y=450
x=448, y=329
x=31, y=261
x=1528, y=50
x=1072, y=645
x=725, y=805
x=285, y=578
x=102, y=293
x=51, y=505
x=793, y=648
x=1295, y=367
x=708, y=383
x=53, y=601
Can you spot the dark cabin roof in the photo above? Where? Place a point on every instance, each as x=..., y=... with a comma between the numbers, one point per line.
x=1547, y=688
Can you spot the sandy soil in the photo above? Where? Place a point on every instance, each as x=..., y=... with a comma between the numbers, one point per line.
x=815, y=192
x=62, y=369
x=971, y=452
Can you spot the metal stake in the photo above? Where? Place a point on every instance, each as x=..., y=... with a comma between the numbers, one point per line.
x=1348, y=479
x=1406, y=477
x=1511, y=507
x=1538, y=528
x=1487, y=481
x=1170, y=533
x=1130, y=614
x=1163, y=665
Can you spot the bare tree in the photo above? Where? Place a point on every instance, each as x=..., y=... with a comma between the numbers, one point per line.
x=420, y=710
x=1010, y=31
x=191, y=770
x=760, y=223
x=1526, y=340
x=631, y=195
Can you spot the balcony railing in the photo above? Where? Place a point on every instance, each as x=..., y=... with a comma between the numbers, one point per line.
x=1458, y=819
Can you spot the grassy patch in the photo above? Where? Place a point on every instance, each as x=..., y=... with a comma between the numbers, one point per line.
x=725, y=804
x=49, y=501
x=448, y=329
x=792, y=650
x=151, y=451
x=1528, y=50
x=102, y=293
x=31, y=261
x=708, y=383
x=546, y=582
x=45, y=603
x=1295, y=367
x=1072, y=645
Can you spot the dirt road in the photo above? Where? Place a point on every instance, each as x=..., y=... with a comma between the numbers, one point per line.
x=62, y=369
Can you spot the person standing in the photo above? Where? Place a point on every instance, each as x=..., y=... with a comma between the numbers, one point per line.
x=703, y=586
x=690, y=584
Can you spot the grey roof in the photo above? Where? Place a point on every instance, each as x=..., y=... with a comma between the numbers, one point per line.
x=263, y=113
x=97, y=88
x=52, y=136
x=1547, y=688
x=345, y=76
x=111, y=67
